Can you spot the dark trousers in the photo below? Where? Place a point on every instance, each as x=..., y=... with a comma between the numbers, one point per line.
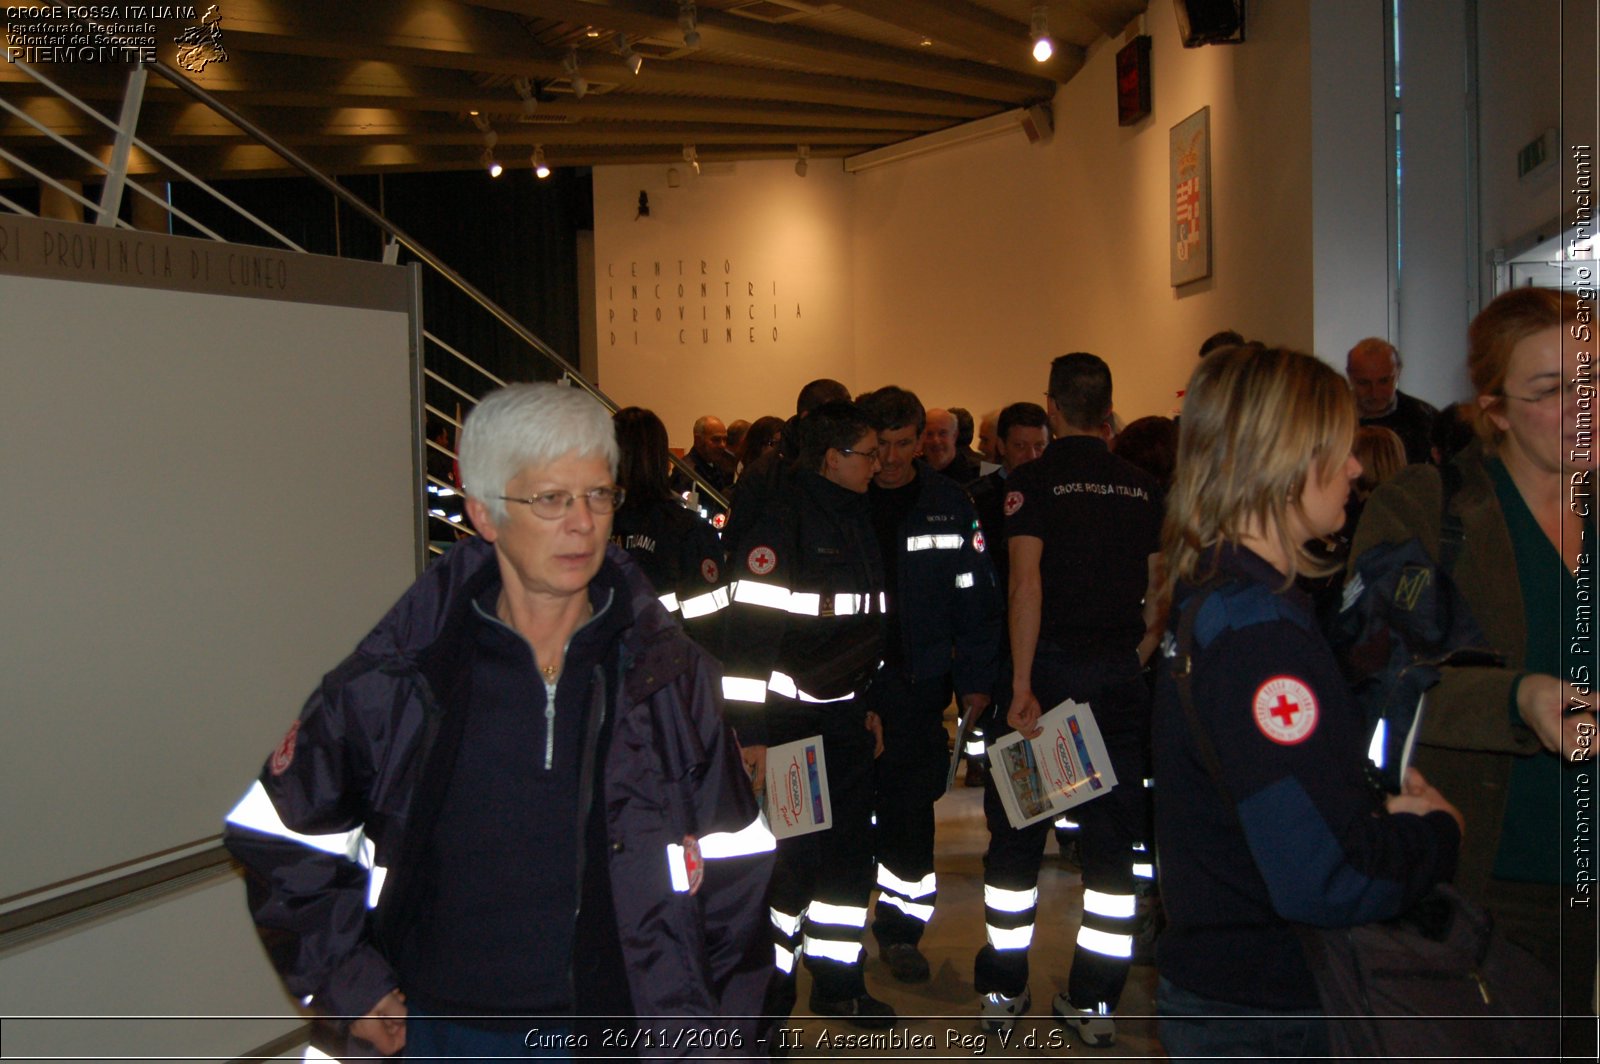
x=1200, y=1028
x=908, y=779
x=1110, y=827
x=822, y=881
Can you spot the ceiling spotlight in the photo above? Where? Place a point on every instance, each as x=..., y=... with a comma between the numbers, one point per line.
x=541, y=169
x=1039, y=30
x=803, y=153
x=530, y=100
x=490, y=163
x=691, y=157
x=688, y=22
x=570, y=65
x=634, y=61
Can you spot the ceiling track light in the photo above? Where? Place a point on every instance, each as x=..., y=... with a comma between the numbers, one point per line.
x=541, y=169
x=802, y=156
x=525, y=91
x=1039, y=30
x=688, y=22
x=692, y=157
x=570, y=65
x=490, y=163
x=634, y=60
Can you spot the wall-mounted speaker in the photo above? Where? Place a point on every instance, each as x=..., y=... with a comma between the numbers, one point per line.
x=1210, y=22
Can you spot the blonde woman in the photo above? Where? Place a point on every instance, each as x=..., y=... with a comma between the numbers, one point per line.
x=1282, y=829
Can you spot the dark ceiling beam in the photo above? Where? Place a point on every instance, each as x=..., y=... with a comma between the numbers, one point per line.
x=722, y=33
x=302, y=81
x=988, y=35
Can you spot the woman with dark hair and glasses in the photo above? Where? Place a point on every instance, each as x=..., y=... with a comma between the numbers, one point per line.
x=514, y=810
x=678, y=550
x=1516, y=745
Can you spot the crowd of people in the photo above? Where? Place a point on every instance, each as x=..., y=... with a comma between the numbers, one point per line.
x=539, y=787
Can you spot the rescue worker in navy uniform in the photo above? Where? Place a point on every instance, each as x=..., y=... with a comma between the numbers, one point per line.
x=516, y=804
x=943, y=635
x=1083, y=529
x=800, y=640
x=677, y=548
x=1022, y=432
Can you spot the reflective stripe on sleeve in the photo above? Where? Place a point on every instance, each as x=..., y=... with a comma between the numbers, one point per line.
x=822, y=912
x=1010, y=901
x=677, y=868
x=941, y=542
x=744, y=689
x=670, y=601
x=256, y=812
x=1101, y=904
x=806, y=603
x=966, y=580
x=1009, y=937
x=703, y=605
x=1105, y=943
x=754, y=837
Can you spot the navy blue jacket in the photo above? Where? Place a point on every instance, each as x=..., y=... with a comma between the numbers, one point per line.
x=1312, y=843
x=325, y=832
x=949, y=608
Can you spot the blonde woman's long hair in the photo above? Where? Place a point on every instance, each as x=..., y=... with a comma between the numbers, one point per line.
x=1255, y=422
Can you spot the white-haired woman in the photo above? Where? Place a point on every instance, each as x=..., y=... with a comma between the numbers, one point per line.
x=534, y=754
x=1281, y=828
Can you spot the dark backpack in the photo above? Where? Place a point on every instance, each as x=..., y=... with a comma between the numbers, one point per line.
x=1401, y=620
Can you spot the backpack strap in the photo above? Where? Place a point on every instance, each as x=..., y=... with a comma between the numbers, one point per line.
x=1452, y=530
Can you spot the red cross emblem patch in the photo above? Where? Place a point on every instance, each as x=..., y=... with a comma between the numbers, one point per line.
x=1285, y=710
x=978, y=542
x=1013, y=502
x=694, y=865
x=762, y=560
x=708, y=569
x=283, y=756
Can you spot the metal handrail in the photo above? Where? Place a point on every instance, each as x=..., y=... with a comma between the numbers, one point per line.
x=360, y=206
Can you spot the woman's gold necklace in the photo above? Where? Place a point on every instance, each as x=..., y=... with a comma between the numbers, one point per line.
x=549, y=672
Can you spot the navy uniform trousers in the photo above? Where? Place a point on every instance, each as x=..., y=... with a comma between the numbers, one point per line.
x=1114, y=828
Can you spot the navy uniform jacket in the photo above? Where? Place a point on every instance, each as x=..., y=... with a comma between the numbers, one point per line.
x=678, y=549
x=803, y=613
x=949, y=607
x=1311, y=843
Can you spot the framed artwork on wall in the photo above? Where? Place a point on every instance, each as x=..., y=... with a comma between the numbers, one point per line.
x=1189, y=200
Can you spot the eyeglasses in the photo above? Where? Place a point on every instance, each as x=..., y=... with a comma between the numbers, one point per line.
x=553, y=505
x=1543, y=397
x=871, y=456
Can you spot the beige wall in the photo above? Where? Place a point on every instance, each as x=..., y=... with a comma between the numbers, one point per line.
x=978, y=265
x=750, y=227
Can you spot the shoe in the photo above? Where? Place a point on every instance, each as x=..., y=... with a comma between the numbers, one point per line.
x=975, y=774
x=999, y=1013
x=906, y=962
x=863, y=1011
x=1093, y=1029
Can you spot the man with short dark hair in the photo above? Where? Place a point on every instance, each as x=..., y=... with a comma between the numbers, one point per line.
x=943, y=636
x=757, y=481
x=1373, y=367
x=800, y=640
x=1083, y=531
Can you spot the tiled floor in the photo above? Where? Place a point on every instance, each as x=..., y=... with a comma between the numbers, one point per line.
x=945, y=1008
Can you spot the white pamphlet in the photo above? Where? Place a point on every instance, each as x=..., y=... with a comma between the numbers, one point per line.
x=1066, y=765
x=797, y=788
